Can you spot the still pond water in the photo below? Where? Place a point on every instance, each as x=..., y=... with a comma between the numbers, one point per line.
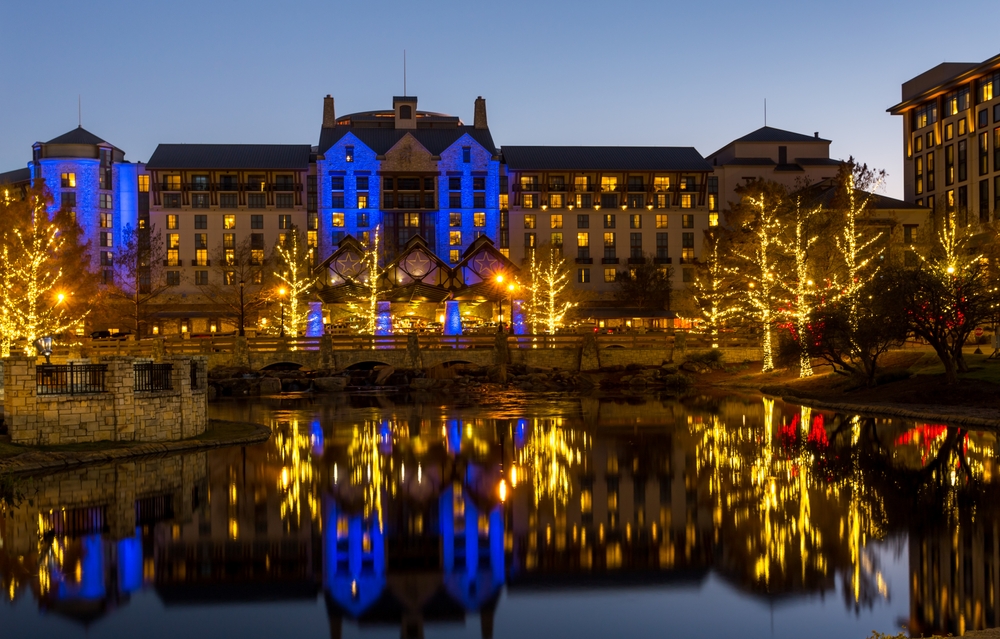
x=548, y=516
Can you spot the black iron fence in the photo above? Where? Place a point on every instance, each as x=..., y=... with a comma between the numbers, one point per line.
x=151, y=377
x=70, y=379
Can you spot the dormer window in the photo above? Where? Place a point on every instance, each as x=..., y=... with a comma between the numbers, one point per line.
x=348, y=153
x=406, y=112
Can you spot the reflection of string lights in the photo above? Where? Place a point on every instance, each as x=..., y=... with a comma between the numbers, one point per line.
x=296, y=478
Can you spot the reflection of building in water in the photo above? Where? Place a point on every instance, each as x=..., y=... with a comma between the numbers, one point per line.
x=954, y=558
x=414, y=529
x=77, y=541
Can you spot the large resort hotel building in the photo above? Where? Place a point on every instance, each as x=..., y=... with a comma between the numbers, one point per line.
x=951, y=139
x=452, y=209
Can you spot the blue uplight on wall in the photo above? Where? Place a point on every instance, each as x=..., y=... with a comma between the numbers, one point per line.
x=126, y=199
x=517, y=317
x=383, y=324
x=314, y=320
x=130, y=564
x=452, y=318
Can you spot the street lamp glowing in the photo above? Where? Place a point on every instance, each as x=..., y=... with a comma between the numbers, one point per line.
x=499, y=279
x=61, y=297
x=951, y=269
x=281, y=291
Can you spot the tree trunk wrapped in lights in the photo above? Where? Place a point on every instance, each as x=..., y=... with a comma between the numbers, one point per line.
x=548, y=288
x=801, y=286
x=366, y=284
x=293, y=272
x=852, y=204
x=34, y=302
x=757, y=226
x=711, y=290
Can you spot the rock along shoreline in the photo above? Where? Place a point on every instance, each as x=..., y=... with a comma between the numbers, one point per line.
x=922, y=412
x=35, y=461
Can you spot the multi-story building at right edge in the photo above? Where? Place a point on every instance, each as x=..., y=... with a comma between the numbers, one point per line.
x=951, y=139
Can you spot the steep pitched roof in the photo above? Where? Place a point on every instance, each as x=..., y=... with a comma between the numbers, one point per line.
x=604, y=158
x=381, y=140
x=230, y=156
x=771, y=134
x=79, y=135
x=15, y=176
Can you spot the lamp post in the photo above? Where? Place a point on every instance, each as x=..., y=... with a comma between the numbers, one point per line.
x=510, y=291
x=281, y=297
x=499, y=280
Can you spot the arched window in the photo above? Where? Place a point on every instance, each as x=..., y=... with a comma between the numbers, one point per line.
x=406, y=112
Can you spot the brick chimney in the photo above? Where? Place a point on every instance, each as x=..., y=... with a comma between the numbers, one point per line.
x=479, y=117
x=329, y=116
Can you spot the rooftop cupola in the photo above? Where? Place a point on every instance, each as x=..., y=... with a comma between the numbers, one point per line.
x=406, y=111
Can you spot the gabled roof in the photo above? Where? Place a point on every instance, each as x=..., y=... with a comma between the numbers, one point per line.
x=15, y=176
x=771, y=134
x=381, y=140
x=79, y=135
x=823, y=193
x=604, y=158
x=230, y=156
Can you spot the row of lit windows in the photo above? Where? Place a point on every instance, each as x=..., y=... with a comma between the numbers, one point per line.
x=610, y=201
x=229, y=221
x=229, y=278
x=229, y=201
x=611, y=275
x=959, y=199
x=956, y=162
x=349, y=149
x=227, y=183
x=608, y=183
x=610, y=242
x=661, y=221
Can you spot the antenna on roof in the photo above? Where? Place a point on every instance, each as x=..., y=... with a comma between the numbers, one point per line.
x=79, y=110
x=765, y=111
x=404, y=72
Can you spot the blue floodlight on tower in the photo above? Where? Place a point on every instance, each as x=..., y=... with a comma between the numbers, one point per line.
x=383, y=323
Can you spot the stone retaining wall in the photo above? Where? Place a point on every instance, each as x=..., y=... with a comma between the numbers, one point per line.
x=118, y=414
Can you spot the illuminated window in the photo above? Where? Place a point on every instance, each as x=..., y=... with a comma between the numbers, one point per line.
x=171, y=183
x=528, y=200
x=105, y=240
x=172, y=222
x=229, y=222
x=362, y=220
x=529, y=240
x=662, y=221
x=586, y=501
x=348, y=153
x=583, y=239
x=661, y=183
x=713, y=219
x=479, y=219
x=455, y=238
x=173, y=249
x=635, y=221
x=68, y=180
x=144, y=184
x=454, y=219
x=338, y=219
x=556, y=200
x=949, y=131
x=529, y=221
x=556, y=239
x=610, y=274
x=609, y=221
x=284, y=221
x=687, y=200
x=453, y=256
x=362, y=200
x=556, y=221
x=105, y=220
x=583, y=275
x=609, y=183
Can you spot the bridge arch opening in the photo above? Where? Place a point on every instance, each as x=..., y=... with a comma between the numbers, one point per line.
x=282, y=366
x=368, y=365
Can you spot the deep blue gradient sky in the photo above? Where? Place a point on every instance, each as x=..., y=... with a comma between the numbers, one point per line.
x=628, y=72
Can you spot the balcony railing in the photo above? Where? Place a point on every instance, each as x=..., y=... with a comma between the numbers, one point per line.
x=70, y=379
x=230, y=187
x=151, y=377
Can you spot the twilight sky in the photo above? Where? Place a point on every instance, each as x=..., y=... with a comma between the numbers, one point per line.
x=630, y=72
